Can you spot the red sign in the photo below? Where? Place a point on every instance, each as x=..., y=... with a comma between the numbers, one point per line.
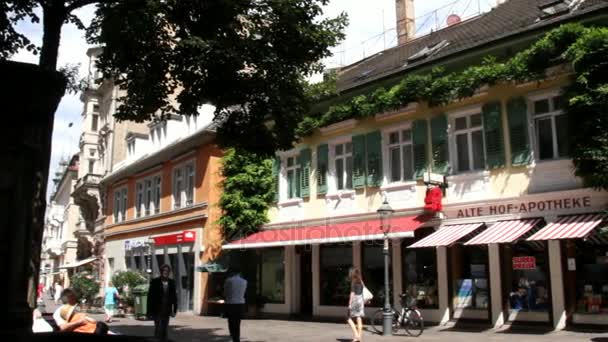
x=432, y=201
x=524, y=263
x=183, y=237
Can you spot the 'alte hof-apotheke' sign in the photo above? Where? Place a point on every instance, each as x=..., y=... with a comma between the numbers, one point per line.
x=526, y=207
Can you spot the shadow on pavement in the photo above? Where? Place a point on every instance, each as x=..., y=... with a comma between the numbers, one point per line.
x=527, y=330
x=467, y=327
x=177, y=333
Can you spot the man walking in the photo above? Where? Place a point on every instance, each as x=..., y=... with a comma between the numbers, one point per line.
x=162, y=302
x=234, y=294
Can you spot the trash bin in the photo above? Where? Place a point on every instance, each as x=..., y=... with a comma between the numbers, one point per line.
x=140, y=293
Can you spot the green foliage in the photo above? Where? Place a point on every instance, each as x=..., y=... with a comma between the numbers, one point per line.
x=248, y=191
x=246, y=57
x=85, y=286
x=585, y=49
x=125, y=282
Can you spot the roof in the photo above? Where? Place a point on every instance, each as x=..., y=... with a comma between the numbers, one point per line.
x=509, y=19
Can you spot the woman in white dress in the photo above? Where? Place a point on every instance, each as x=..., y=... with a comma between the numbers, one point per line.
x=356, y=304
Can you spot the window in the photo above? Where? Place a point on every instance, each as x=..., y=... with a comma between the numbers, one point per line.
x=95, y=108
x=131, y=147
x=470, y=279
x=468, y=136
x=183, y=185
x=401, y=155
x=373, y=270
x=272, y=275
x=527, y=282
x=591, y=277
x=91, y=165
x=293, y=177
x=335, y=261
x=92, y=152
x=139, y=200
x=120, y=205
x=420, y=276
x=148, y=196
x=344, y=165
x=551, y=128
x=94, y=122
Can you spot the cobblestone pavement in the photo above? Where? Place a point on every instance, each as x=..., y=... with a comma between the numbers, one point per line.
x=190, y=328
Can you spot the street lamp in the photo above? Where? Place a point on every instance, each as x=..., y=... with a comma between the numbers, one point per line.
x=385, y=212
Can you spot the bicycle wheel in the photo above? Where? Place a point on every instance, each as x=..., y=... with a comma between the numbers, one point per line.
x=376, y=321
x=415, y=324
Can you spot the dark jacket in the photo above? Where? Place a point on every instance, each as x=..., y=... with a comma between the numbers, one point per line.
x=155, y=298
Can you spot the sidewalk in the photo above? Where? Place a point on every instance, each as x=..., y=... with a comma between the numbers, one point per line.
x=190, y=328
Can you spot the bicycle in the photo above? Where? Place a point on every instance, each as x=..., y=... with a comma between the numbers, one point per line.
x=408, y=317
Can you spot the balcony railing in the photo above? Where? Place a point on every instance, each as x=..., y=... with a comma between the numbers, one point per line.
x=89, y=180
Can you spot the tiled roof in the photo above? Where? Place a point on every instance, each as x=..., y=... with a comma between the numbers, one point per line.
x=508, y=19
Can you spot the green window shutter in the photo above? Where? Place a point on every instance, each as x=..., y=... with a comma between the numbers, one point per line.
x=439, y=138
x=492, y=128
x=373, y=143
x=359, y=161
x=297, y=183
x=276, y=170
x=305, y=172
x=322, y=161
x=517, y=113
x=419, y=140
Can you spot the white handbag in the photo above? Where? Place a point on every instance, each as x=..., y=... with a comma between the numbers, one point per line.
x=367, y=295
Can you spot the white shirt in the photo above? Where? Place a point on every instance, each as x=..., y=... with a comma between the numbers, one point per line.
x=57, y=317
x=234, y=290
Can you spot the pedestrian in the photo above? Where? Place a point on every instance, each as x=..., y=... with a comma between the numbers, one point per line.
x=40, y=290
x=162, y=302
x=69, y=298
x=111, y=297
x=234, y=303
x=58, y=291
x=356, y=304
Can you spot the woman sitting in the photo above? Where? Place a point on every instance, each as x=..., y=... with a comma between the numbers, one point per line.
x=87, y=325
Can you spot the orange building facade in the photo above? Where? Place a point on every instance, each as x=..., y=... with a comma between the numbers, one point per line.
x=162, y=208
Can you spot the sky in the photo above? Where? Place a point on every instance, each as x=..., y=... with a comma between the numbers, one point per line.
x=371, y=29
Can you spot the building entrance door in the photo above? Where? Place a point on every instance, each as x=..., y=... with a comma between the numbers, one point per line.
x=306, y=280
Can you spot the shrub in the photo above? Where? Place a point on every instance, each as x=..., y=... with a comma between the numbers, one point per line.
x=125, y=281
x=85, y=286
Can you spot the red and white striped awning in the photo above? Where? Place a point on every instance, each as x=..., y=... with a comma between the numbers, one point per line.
x=337, y=233
x=447, y=235
x=569, y=227
x=504, y=232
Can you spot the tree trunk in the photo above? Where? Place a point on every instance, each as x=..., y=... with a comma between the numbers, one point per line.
x=25, y=149
x=53, y=17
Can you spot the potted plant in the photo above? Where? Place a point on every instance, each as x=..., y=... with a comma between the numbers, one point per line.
x=125, y=282
x=86, y=288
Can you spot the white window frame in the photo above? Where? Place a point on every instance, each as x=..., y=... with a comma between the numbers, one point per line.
x=139, y=199
x=120, y=204
x=332, y=178
x=294, y=168
x=452, y=132
x=386, y=148
x=532, y=132
x=183, y=198
x=283, y=181
x=149, y=196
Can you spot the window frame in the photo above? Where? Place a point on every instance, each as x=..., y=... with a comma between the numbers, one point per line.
x=452, y=134
x=119, y=209
x=332, y=177
x=182, y=167
x=552, y=114
x=386, y=151
x=283, y=180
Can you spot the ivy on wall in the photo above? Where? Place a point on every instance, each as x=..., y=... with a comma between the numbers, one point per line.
x=248, y=191
x=584, y=49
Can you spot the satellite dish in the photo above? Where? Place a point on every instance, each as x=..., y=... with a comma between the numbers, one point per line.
x=452, y=19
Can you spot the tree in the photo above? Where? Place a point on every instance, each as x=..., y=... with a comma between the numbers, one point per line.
x=85, y=285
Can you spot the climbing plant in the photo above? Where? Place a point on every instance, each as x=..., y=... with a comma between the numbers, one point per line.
x=581, y=49
x=249, y=190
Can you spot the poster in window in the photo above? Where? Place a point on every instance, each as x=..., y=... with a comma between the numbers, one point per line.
x=465, y=293
x=524, y=263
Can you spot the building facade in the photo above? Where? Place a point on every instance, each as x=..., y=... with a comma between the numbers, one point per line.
x=59, y=240
x=162, y=204
x=517, y=240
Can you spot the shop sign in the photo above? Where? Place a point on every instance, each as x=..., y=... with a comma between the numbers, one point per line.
x=526, y=207
x=130, y=244
x=183, y=237
x=524, y=263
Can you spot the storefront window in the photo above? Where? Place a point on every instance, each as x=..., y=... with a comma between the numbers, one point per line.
x=420, y=276
x=528, y=279
x=335, y=261
x=471, y=285
x=272, y=275
x=373, y=270
x=591, y=278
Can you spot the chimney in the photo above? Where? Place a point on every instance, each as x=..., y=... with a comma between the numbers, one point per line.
x=406, y=27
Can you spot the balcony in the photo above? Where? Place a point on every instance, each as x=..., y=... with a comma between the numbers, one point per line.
x=53, y=247
x=86, y=196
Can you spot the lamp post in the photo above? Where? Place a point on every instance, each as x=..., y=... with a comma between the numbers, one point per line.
x=385, y=212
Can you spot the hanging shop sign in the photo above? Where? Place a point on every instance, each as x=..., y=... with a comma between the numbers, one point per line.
x=524, y=207
x=172, y=239
x=131, y=244
x=524, y=263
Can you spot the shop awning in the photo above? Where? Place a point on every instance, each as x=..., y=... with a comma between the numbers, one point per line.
x=569, y=227
x=504, y=232
x=341, y=232
x=447, y=235
x=78, y=263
